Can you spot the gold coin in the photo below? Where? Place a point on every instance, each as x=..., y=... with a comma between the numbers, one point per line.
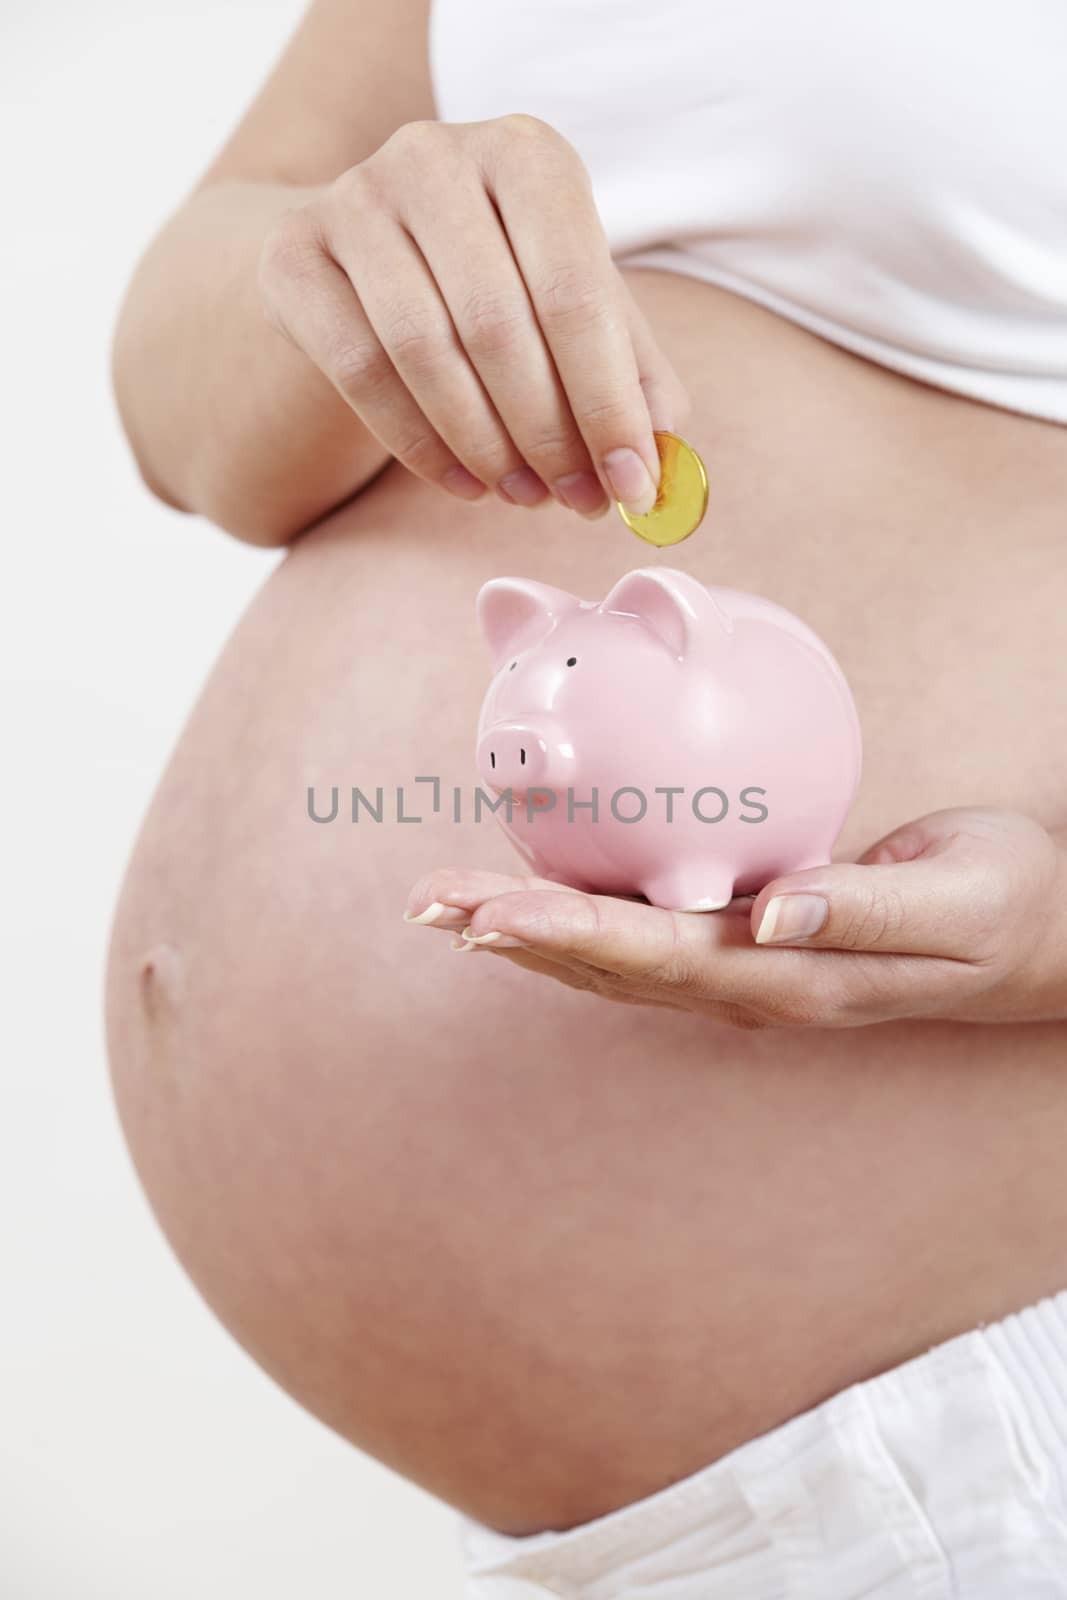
x=682, y=499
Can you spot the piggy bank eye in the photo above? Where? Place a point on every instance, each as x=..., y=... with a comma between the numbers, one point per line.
x=514, y=664
x=572, y=661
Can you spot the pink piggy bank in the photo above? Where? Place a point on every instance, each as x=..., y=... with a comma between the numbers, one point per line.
x=676, y=741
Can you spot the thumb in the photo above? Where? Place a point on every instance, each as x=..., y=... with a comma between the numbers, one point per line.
x=931, y=905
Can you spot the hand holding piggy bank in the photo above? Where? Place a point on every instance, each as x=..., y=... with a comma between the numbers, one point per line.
x=677, y=741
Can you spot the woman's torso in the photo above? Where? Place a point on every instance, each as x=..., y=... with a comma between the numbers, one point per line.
x=599, y=1245
x=540, y=1253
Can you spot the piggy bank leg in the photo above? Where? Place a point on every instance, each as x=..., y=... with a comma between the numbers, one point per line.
x=700, y=887
x=569, y=880
x=817, y=858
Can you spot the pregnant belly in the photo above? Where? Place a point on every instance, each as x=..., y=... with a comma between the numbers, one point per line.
x=539, y=1253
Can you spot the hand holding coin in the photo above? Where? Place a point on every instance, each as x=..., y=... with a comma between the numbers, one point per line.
x=682, y=499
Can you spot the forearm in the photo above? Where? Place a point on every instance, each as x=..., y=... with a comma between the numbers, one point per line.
x=225, y=417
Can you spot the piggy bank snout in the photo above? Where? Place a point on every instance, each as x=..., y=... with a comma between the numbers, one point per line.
x=515, y=756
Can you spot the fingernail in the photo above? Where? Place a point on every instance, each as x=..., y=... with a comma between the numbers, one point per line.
x=582, y=491
x=431, y=914
x=792, y=916
x=499, y=941
x=522, y=488
x=437, y=915
x=630, y=482
x=458, y=481
x=461, y=945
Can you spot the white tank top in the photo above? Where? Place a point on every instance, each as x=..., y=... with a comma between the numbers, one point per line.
x=891, y=176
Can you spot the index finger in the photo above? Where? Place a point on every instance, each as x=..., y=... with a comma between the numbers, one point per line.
x=629, y=939
x=711, y=959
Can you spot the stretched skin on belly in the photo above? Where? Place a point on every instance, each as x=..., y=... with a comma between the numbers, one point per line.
x=538, y=1253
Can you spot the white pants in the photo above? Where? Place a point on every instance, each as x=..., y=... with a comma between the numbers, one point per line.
x=943, y=1479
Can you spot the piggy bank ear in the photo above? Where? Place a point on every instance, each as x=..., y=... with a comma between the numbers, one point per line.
x=514, y=613
x=674, y=606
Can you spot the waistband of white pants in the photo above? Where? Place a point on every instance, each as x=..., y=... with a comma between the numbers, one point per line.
x=1029, y=1347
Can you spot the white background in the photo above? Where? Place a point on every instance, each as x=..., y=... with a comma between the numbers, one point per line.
x=142, y=1455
